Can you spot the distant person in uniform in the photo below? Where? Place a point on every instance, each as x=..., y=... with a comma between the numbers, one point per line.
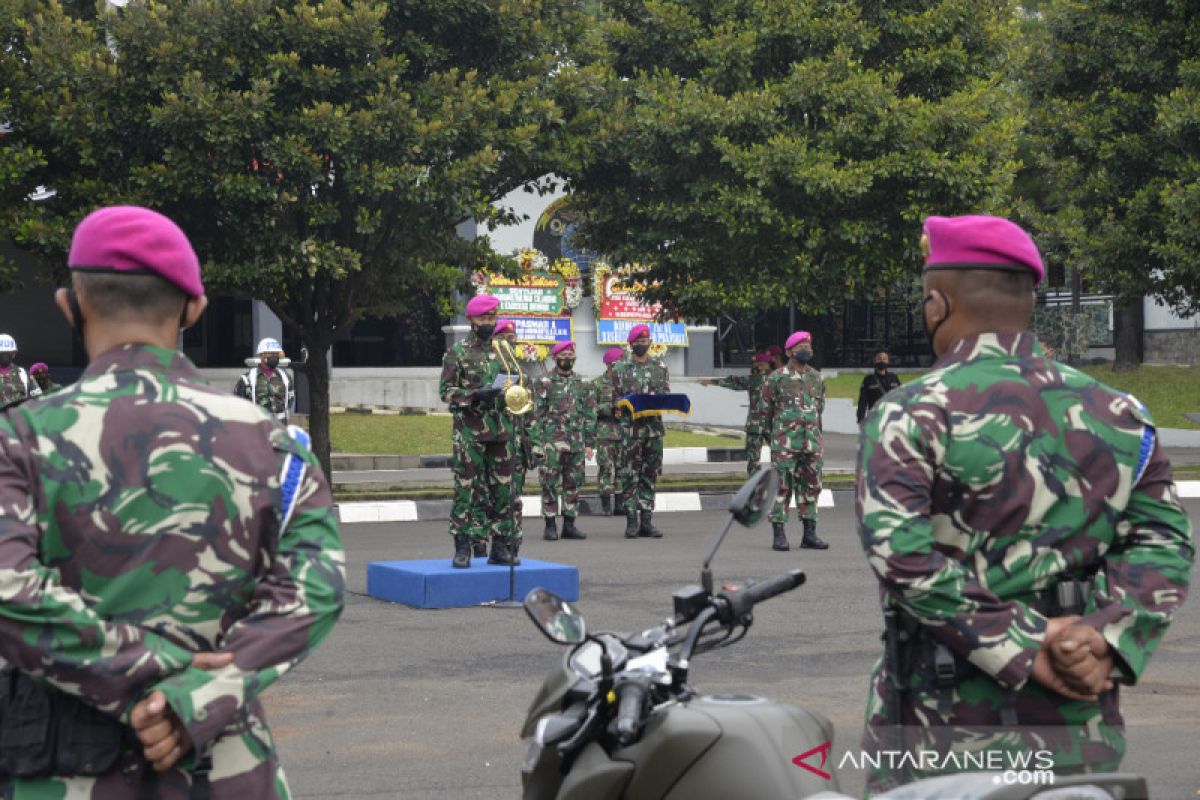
x=875, y=385
x=14, y=381
x=41, y=376
x=269, y=385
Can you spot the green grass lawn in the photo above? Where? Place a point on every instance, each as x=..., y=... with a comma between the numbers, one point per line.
x=425, y=435
x=1166, y=391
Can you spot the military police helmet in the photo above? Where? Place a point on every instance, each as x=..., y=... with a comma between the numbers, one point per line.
x=268, y=346
x=7, y=343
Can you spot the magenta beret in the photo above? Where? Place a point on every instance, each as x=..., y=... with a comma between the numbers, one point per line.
x=135, y=240
x=482, y=304
x=637, y=332
x=612, y=355
x=38, y=367
x=503, y=325
x=774, y=350
x=796, y=338
x=761, y=358
x=558, y=348
x=979, y=241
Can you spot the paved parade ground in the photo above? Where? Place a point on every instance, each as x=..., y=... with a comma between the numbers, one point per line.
x=428, y=704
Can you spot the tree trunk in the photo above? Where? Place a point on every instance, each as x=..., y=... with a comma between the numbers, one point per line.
x=318, y=411
x=1128, y=321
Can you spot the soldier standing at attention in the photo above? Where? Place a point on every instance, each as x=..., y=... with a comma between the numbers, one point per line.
x=267, y=384
x=794, y=400
x=483, y=436
x=608, y=433
x=875, y=385
x=565, y=427
x=643, y=437
x=756, y=434
x=14, y=381
x=1022, y=521
x=41, y=376
x=168, y=551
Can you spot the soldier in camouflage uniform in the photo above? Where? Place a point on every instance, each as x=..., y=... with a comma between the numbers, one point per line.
x=15, y=384
x=793, y=402
x=608, y=434
x=41, y=376
x=643, y=438
x=756, y=432
x=1023, y=523
x=155, y=572
x=267, y=384
x=564, y=430
x=483, y=442
x=522, y=455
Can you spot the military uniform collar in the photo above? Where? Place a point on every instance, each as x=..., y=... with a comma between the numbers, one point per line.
x=130, y=357
x=1022, y=344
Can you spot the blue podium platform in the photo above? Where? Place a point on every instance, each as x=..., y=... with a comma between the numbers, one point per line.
x=436, y=584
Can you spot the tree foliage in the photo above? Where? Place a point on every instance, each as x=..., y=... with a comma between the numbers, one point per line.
x=319, y=153
x=764, y=152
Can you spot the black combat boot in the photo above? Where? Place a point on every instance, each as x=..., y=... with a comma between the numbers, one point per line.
x=631, y=525
x=780, y=542
x=479, y=547
x=810, y=540
x=570, y=531
x=606, y=505
x=462, y=551
x=647, y=529
x=514, y=547
x=551, y=534
x=500, y=552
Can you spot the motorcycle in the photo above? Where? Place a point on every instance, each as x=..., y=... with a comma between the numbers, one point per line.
x=618, y=720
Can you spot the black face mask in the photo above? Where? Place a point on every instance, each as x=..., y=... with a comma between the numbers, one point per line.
x=484, y=332
x=640, y=350
x=6, y=359
x=802, y=356
x=42, y=380
x=565, y=364
x=881, y=366
x=931, y=333
x=272, y=361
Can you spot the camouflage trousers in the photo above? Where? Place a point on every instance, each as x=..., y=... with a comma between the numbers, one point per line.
x=608, y=457
x=522, y=460
x=643, y=463
x=562, y=477
x=755, y=441
x=800, y=477
x=483, y=491
x=966, y=727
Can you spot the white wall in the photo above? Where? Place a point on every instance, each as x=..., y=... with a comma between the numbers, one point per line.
x=1161, y=318
x=508, y=238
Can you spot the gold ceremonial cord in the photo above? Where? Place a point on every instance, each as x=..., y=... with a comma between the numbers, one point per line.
x=517, y=398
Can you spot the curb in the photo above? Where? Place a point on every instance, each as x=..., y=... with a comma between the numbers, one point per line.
x=589, y=505
x=671, y=455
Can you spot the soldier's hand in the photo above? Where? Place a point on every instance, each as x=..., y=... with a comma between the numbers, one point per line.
x=485, y=394
x=163, y=737
x=211, y=660
x=705, y=382
x=1083, y=658
x=1044, y=671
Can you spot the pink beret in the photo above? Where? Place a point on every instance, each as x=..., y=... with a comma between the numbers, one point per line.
x=482, y=304
x=138, y=241
x=612, y=355
x=637, y=332
x=761, y=358
x=981, y=242
x=796, y=338
x=774, y=350
x=38, y=367
x=503, y=325
x=558, y=348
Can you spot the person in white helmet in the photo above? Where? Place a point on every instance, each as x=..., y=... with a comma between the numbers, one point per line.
x=267, y=383
x=14, y=381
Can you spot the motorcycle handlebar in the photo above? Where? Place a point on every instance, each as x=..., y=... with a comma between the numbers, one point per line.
x=629, y=712
x=742, y=602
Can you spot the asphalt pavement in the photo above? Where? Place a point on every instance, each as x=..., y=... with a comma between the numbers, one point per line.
x=424, y=705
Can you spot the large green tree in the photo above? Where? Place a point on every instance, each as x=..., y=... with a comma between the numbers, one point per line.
x=1115, y=114
x=320, y=154
x=760, y=153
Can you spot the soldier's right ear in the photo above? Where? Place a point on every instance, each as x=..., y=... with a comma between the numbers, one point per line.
x=62, y=299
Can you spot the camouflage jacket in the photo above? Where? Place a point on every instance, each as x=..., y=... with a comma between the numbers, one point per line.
x=793, y=402
x=275, y=391
x=469, y=365
x=998, y=474
x=630, y=377
x=608, y=429
x=15, y=384
x=564, y=412
x=754, y=384
x=140, y=514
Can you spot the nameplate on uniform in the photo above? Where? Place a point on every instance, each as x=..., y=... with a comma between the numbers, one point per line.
x=655, y=405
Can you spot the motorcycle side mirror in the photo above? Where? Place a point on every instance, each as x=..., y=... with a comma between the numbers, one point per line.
x=755, y=498
x=747, y=508
x=555, y=617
